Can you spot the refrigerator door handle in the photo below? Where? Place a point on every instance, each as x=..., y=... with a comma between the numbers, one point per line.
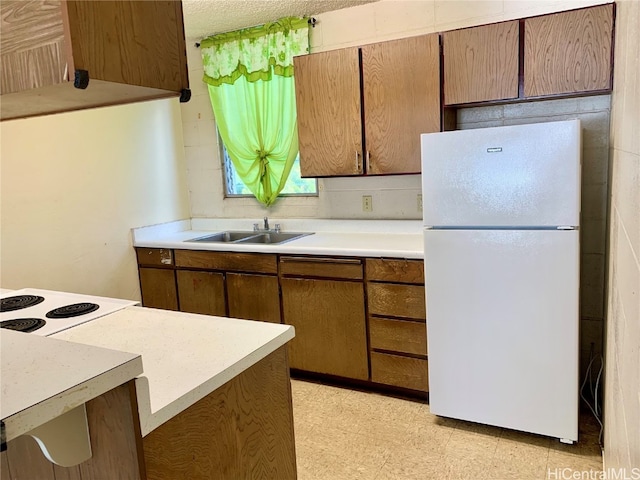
x=566, y=227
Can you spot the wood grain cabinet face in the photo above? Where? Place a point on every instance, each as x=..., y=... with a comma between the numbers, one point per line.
x=34, y=52
x=568, y=52
x=328, y=109
x=401, y=80
x=238, y=285
x=201, y=292
x=328, y=315
x=399, y=100
x=132, y=51
x=481, y=63
x=397, y=325
x=116, y=443
x=253, y=297
x=158, y=288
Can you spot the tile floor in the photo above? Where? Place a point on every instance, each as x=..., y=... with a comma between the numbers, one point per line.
x=347, y=434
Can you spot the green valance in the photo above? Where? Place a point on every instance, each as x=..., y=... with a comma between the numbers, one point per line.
x=255, y=53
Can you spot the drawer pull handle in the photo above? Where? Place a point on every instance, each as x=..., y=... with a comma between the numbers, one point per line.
x=349, y=261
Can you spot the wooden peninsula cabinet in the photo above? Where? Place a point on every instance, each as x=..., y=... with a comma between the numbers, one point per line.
x=114, y=429
x=59, y=56
x=481, y=63
x=361, y=110
x=323, y=298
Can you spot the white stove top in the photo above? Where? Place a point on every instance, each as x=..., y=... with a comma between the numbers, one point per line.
x=52, y=300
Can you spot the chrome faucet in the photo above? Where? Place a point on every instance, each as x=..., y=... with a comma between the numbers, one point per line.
x=256, y=226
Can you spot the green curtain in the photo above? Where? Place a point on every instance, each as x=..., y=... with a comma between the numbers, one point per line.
x=250, y=79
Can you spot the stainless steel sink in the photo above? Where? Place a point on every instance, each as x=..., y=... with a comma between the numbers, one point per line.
x=226, y=237
x=249, y=237
x=273, y=237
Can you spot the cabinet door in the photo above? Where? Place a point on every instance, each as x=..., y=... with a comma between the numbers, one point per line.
x=254, y=297
x=568, y=52
x=328, y=108
x=481, y=63
x=158, y=288
x=201, y=292
x=328, y=316
x=130, y=42
x=401, y=80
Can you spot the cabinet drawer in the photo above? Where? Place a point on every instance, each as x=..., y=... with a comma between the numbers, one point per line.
x=349, y=268
x=401, y=271
x=393, y=300
x=242, y=262
x=154, y=256
x=398, y=335
x=400, y=371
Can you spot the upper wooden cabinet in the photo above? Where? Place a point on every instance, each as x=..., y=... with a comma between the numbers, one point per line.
x=399, y=100
x=568, y=52
x=481, y=63
x=128, y=50
x=401, y=94
x=328, y=109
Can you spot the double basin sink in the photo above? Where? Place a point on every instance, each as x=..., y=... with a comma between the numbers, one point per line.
x=267, y=237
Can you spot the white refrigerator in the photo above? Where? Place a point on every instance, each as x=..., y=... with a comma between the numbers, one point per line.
x=501, y=248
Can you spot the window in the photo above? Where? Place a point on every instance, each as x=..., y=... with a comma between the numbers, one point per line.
x=295, y=186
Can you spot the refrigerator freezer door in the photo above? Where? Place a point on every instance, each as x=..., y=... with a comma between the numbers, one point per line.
x=523, y=175
x=502, y=322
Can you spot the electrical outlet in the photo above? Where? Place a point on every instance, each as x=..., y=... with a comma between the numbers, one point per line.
x=367, y=203
x=420, y=202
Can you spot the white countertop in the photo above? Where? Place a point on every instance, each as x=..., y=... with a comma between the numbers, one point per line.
x=186, y=356
x=43, y=378
x=364, y=238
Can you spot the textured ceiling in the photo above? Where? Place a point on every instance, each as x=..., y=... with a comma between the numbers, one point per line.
x=207, y=17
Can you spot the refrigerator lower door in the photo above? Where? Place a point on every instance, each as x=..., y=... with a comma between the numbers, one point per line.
x=503, y=328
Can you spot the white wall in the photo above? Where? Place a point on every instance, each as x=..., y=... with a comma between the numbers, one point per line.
x=393, y=196
x=74, y=184
x=622, y=385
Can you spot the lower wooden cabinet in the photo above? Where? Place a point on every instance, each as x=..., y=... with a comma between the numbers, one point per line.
x=397, y=323
x=355, y=318
x=253, y=297
x=238, y=285
x=201, y=292
x=158, y=288
x=329, y=319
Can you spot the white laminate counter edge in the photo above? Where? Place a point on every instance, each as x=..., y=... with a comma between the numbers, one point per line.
x=43, y=378
x=149, y=420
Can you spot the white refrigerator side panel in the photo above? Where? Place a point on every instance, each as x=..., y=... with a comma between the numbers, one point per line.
x=503, y=327
x=521, y=175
